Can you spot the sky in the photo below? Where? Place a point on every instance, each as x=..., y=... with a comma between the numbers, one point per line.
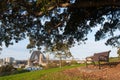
x=19, y=51
x=90, y=47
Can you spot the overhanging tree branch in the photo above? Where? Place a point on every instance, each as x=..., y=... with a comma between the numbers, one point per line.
x=85, y=4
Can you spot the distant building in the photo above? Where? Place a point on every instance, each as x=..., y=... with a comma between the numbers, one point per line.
x=8, y=60
x=1, y=62
x=19, y=63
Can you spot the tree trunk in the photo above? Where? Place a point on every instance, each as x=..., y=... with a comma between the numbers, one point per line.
x=60, y=62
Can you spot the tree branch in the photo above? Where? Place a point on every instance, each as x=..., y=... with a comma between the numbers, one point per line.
x=101, y=3
x=85, y=4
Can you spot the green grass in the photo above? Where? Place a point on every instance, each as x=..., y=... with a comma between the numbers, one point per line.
x=51, y=74
x=114, y=59
x=36, y=75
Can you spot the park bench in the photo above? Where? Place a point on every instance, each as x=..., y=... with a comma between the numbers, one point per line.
x=98, y=57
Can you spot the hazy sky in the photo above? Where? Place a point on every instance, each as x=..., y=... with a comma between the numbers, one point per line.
x=91, y=47
x=19, y=51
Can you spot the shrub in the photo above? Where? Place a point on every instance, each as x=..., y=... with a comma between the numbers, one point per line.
x=20, y=70
x=73, y=62
x=51, y=65
x=9, y=69
x=64, y=63
x=6, y=70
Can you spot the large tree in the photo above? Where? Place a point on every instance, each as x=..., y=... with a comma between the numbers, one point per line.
x=46, y=22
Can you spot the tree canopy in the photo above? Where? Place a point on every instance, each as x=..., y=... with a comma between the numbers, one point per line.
x=61, y=50
x=46, y=22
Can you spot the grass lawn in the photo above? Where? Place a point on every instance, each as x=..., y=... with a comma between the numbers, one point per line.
x=36, y=75
x=114, y=59
x=51, y=74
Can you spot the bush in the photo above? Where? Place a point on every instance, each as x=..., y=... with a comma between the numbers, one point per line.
x=73, y=62
x=51, y=65
x=64, y=63
x=6, y=70
x=20, y=70
x=9, y=69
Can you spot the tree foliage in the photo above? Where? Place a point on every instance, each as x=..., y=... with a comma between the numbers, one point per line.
x=118, y=52
x=46, y=22
x=61, y=50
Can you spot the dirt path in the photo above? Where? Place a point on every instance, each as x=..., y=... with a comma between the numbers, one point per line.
x=94, y=73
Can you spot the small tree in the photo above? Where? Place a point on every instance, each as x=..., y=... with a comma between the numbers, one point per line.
x=61, y=50
x=118, y=52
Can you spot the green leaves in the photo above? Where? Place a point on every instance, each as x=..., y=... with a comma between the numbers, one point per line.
x=47, y=22
x=118, y=52
x=61, y=50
